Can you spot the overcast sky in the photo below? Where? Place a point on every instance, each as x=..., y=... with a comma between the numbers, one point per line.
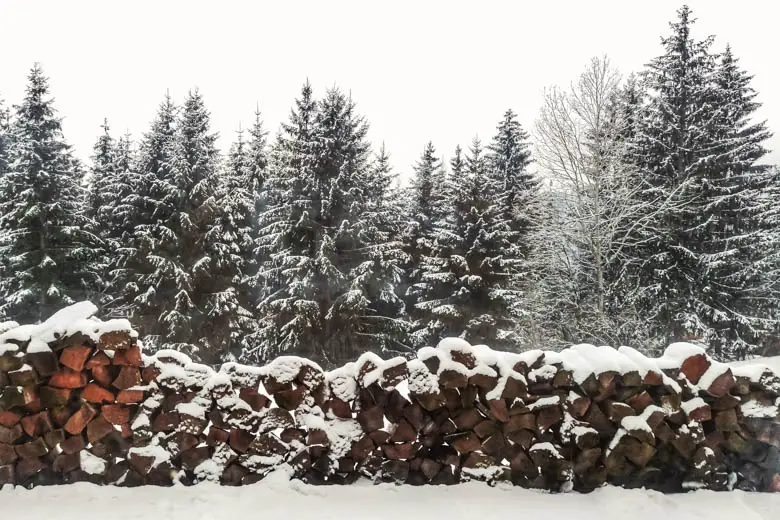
x=418, y=70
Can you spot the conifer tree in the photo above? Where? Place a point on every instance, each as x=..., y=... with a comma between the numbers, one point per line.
x=424, y=206
x=739, y=243
x=509, y=158
x=101, y=175
x=147, y=260
x=5, y=138
x=230, y=241
x=319, y=269
x=469, y=281
x=46, y=248
x=702, y=271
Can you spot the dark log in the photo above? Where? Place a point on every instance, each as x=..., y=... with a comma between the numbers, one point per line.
x=38, y=424
x=9, y=435
x=98, y=429
x=371, y=419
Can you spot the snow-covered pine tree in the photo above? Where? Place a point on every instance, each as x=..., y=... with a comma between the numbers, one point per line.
x=148, y=259
x=257, y=159
x=424, y=206
x=230, y=241
x=101, y=174
x=509, y=158
x=5, y=137
x=46, y=248
x=701, y=273
x=470, y=279
x=739, y=242
x=317, y=304
x=117, y=218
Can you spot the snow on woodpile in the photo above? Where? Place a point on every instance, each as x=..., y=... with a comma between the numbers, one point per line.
x=80, y=401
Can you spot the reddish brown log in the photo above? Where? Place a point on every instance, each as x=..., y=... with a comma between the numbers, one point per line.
x=130, y=396
x=722, y=384
x=75, y=357
x=93, y=393
x=130, y=356
x=578, y=406
x=102, y=374
x=115, y=413
x=339, y=408
x=290, y=399
x=67, y=378
x=253, y=398
x=128, y=377
x=79, y=420
x=192, y=458
x=694, y=367
x=640, y=401
x=99, y=359
x=149, y=374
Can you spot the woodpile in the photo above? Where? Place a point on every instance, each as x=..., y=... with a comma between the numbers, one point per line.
x=81, y=403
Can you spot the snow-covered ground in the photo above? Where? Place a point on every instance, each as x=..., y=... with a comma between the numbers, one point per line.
x=771, y=362
x=277, y=499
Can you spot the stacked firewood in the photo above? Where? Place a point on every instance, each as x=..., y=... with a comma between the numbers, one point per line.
x=68, y=389
x=82, y=403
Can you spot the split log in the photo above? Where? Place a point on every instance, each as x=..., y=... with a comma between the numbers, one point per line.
x=75, y=357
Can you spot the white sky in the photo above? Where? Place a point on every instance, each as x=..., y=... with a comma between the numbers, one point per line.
x=419, y=70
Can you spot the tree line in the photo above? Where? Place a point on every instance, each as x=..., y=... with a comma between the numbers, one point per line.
x=640, y=213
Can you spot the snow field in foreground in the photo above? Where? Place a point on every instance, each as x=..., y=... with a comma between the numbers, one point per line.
x=282, y=500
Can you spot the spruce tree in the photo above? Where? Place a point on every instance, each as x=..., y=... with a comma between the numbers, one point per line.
x=319, y=267
x=739, y=242
x=701, y=268
x=148, y=259
x=230, y=244
x=424, y=206
x=47, y=251
x=101, y=175
x=469, y=281
x=5, y=138
x=509, y=158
